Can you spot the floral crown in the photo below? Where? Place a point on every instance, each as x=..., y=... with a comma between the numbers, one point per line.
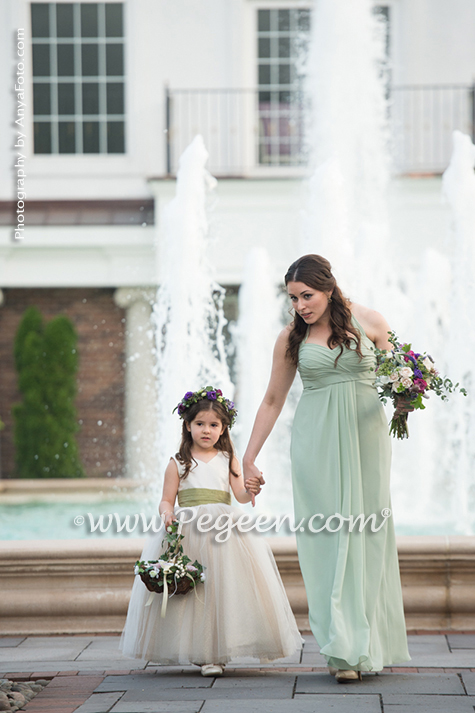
x=192, y=397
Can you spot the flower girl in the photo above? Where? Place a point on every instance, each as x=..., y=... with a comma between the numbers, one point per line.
x=241, y=609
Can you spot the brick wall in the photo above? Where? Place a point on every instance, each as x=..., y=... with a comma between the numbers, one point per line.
x=100, y=325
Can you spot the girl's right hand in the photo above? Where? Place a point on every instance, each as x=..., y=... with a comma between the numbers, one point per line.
x=169, y=519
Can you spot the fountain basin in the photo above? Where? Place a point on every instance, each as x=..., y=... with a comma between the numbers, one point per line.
x=83, y=586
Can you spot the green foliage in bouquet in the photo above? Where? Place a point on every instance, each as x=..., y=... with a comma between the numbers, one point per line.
x=46, y=359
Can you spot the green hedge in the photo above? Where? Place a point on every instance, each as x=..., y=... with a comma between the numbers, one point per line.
x=46, y=359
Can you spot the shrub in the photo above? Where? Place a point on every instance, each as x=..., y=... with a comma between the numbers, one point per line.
x=46, y=359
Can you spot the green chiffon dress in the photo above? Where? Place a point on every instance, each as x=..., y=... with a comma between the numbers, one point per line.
x=341, y=459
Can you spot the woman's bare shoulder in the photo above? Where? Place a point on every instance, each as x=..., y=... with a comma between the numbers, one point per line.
x=372, y=321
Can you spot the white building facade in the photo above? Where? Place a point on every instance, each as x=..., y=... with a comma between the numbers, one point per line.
x=115, y=91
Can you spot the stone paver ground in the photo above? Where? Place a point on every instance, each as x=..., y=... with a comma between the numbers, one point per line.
x=87, y=674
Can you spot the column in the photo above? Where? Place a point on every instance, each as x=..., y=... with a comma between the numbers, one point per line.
x=140, y=386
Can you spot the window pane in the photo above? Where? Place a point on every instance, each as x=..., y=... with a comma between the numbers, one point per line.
x=303, y=20
x=90, y=136
x=264, y=74
x=90, y=65
x=89, y=20
x=264, y=47
x=41, y=99
x=114, y=23
x=284, y=20
x=284, y=74
x=284, y=97
x=263, y=20
x=284, y=46
x=264, y=97
x=115, y=98
x=41, y=65
x=42, y=137
x=67, y=143
x=66, y=103
x=40, y=19
x=90, y=98
x=64, y=20
x=115, y=137
x=65, y=61
x=114, y=59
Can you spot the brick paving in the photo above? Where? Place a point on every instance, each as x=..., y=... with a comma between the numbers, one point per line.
x=87, y=674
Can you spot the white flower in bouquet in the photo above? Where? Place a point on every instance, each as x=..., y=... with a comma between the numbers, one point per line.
x=191, y=568
x=153, y=573
x=407, y=383
x=394, y=376
x=202, y=576
x=428, y=363
x=395, y=385
x=406, y=372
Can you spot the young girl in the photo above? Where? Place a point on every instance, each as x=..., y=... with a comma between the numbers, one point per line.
x=241, y=609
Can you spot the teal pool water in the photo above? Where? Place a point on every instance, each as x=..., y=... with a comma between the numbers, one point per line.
x=56, y=521
x=68, y=521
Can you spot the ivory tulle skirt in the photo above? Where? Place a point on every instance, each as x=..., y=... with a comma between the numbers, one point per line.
x=241, y=610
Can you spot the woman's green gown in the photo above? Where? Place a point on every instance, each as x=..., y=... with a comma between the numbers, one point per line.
x=341, y=459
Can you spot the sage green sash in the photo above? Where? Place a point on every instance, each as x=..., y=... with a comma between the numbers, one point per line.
x=202, y=496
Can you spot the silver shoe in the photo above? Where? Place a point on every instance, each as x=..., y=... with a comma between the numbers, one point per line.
x=212, y=669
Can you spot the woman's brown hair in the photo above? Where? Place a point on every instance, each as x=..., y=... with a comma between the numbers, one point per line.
x=224, y=443
x=315, y=272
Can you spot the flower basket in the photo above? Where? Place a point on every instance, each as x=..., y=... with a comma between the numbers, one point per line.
x=173, y=573
x=183, y=586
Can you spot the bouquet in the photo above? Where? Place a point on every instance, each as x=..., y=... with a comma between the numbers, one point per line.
x=173, y=570
x=405, y=376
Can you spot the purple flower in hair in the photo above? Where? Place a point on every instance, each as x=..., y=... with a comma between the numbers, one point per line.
x=211, y=395
x=188, y=395
x=181, y=409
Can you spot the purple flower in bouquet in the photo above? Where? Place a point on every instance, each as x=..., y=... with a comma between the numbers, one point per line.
x=420, y=385
x=418, y=373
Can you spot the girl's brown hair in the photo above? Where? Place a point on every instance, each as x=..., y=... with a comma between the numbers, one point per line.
x=315, y=271
x=224, y=443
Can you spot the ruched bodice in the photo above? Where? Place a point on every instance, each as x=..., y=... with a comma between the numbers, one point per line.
x=341, y=459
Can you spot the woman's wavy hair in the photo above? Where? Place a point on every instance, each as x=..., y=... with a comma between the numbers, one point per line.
x=224, y=443
x=315, y=271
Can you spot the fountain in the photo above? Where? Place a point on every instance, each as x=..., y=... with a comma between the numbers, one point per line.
x=187, y=315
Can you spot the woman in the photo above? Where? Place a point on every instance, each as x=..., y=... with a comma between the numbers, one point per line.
x=341, y=454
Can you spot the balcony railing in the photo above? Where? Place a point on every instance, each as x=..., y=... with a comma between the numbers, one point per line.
x=247, y=132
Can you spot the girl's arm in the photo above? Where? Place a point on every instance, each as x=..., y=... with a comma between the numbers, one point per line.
x=170, y=490
x=281, y=378
x=239, y=489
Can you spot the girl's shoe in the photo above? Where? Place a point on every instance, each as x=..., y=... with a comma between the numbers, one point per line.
x=212, y=669
x=346, y=676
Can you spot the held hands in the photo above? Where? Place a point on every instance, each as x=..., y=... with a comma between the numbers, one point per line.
x=253, y=479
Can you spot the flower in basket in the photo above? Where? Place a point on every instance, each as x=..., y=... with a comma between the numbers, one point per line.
x=405, y=376
x=173, y=573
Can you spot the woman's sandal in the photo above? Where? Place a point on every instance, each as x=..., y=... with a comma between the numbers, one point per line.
x=347, y=676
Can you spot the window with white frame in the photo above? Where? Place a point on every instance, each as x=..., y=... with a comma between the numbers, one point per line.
x=282, y=48
x=78, y=78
